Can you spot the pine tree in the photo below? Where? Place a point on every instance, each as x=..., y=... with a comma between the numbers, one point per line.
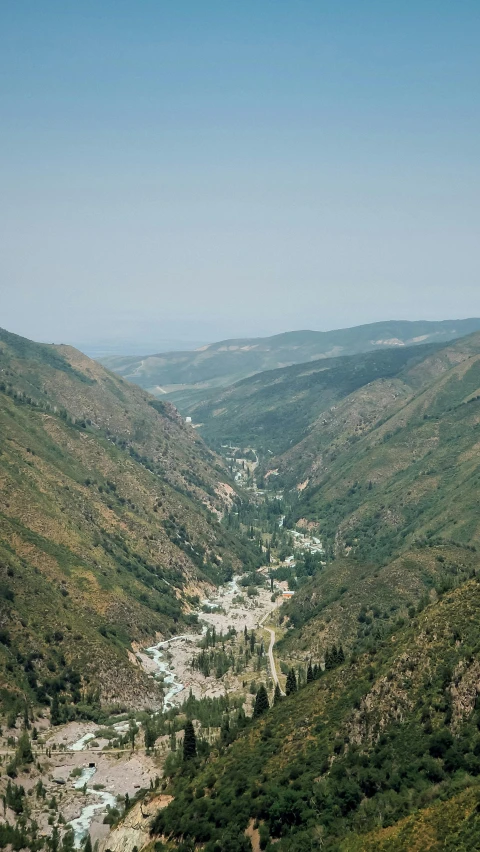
x=55, y=717
x=341, y=655
x=88, y=845
x=54, y=840
x=261, y=702
x=24, y=750
x=252, y=642
x=309, y=672
x=68, y=842
x=291, y=684
x=189, y=741
x=245, y=634
x=277, y=695
x=316, y=671
x=150, y=736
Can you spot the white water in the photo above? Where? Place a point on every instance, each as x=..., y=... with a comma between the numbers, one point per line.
x=164, y=669
x=82, y=823
x=230, y=590
x=81, y=743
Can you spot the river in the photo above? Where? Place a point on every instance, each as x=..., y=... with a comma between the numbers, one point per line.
x=222, y=612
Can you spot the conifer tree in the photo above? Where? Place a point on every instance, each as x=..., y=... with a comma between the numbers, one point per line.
x=291, y=684
x=341, y=655
x=277, y=695
x=150, y=736
x=309, y=672
x=55, y=718
x=261, y=702
x=189, y=741
x=24, y=750
x=88, y=845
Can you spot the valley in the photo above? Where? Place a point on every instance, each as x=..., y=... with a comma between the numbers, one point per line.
x=298, y=595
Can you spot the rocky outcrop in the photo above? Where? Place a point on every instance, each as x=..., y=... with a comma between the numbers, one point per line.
x=134, y=830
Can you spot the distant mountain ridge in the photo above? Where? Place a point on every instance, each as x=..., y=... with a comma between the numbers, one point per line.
x=226, y=361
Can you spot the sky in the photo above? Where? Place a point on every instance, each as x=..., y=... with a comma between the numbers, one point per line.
x=187, y=171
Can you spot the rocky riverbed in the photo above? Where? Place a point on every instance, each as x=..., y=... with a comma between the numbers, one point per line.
x=85, y=778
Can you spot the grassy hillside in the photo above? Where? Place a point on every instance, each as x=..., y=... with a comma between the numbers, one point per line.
x=389, y=481
x=407, y=474
x=108, y=527
x=223, y=363
x=342, y=763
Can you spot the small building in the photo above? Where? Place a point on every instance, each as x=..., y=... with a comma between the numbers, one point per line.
x=287, y=594
x=188, y=419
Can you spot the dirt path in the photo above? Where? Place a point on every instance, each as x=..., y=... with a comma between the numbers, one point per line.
x=271, y=658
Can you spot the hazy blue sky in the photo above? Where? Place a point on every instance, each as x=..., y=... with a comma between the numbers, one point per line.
x=198, y=170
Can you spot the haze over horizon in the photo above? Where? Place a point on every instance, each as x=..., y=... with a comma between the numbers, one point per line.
x=193, y=172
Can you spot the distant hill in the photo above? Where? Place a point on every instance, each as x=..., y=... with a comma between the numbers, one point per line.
x=223, y=363
x=276, y=409
x=108, y=527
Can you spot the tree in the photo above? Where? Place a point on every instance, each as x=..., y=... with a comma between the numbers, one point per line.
x=252, y=642
x=88, y=845
x=132, y=733
x=309, y=672
x=261, y=702
x=24, y=750
x=55, y=717
x=277, y=695
x=54, y=840
x=68, y=843
x=291, y=684
x=150, y=736
x=189, y=741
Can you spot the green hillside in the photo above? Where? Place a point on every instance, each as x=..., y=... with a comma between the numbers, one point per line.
x=223, y=363
x=276, y=409
x=108, y=527
x=392, y=731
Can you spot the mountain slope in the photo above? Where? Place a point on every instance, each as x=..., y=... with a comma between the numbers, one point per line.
x=108, y=526
x=388, y=733
x=223, y=363
x=276, y=409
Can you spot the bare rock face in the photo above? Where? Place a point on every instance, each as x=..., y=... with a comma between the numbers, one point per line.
x=134, y=830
